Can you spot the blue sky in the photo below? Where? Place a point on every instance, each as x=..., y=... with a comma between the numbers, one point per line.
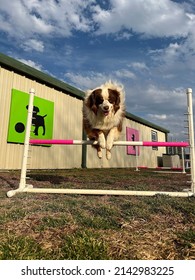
x=146, y=45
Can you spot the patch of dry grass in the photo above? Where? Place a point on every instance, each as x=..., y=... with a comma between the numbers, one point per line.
x=49, y=226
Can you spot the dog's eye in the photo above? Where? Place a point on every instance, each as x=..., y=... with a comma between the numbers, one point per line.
x=99, y=100
x=113, y=96
x=111, y=99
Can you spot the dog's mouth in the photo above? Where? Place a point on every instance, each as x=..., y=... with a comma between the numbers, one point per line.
x=106, y=112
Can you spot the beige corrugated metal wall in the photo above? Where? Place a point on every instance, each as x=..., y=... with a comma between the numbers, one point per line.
x=120, y=158
x=67, y=124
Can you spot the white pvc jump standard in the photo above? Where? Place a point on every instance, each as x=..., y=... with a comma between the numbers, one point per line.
x=191, y=137
x=23, y=187
x=26, y=143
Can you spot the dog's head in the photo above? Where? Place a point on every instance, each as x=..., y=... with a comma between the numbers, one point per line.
x=35, y=110
x=105, y=99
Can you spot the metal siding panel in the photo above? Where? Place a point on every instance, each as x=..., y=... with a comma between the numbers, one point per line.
x=67, y=124
x=7, y=151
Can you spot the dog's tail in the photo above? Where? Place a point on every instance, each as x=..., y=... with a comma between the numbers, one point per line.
x=44, y=116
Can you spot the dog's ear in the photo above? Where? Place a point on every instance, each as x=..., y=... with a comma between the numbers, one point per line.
x=92, y=100
x=35, y=109
x=114, y=98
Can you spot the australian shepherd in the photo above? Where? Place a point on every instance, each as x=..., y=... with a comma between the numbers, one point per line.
x=103, y=114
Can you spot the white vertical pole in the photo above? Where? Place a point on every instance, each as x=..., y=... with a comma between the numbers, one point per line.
x=191, y=138
x=136, y=157
x=27, y=140
x=183, y=160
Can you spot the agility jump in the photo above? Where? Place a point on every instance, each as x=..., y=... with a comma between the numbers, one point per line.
x=116, y=143
x=23, y=187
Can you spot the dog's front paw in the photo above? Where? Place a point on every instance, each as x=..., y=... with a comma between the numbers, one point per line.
x=99, y=153
x=102, y=141
x=109, y=144
x=108, y=154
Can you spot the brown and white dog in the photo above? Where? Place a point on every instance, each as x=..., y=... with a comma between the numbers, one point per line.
x=103, y=114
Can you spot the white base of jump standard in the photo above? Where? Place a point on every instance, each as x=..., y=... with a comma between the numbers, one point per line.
x=30, y=189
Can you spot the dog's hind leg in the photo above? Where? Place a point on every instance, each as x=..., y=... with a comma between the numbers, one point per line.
x=36, y=130
x=43, y=124
x=43, y=130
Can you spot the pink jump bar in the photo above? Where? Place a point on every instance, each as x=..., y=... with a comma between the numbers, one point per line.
x=166, y=144
x=116, y=143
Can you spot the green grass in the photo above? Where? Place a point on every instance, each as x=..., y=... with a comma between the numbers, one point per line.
x=187, y=236
x=85, y=245
x=54, y=226
x=20, y=248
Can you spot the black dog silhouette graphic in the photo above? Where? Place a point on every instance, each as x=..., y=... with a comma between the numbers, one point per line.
x=37, y=120
x=133, y=139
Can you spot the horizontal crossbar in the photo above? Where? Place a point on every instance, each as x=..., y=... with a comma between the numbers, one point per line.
x=116, y=143
x=30, y=189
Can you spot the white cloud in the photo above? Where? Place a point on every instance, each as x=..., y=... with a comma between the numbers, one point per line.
x=33, y=44
x=124, y=35
x=84, y=82
x=168, y=54
x=68, y=50
x=94, y=79
x=31, y=63
x=138, y=65
x=149, y=17
x=20, y=22
x=123, y=73
x=154, y=101
x=176, y=58
x=160, y=105
x=33, y=17
x=155, y=117
x=28, y=20
x=167, y=97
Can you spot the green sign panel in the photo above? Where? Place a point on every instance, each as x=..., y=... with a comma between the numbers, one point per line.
x=42, y=122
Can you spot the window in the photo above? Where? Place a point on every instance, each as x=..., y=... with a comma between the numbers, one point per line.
x=154, y=137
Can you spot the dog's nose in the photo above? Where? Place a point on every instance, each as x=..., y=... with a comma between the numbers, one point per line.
x=106, y=108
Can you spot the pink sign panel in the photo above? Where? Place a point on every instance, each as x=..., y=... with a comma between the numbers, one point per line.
x=132, y=135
